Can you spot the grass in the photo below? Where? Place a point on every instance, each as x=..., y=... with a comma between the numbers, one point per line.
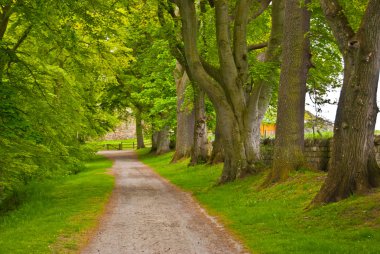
x=274, y=220
x=56, y=214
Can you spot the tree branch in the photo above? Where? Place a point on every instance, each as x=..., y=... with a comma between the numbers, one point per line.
x=211, y=70
x=226, y=56
x=261, y=94
x=257, y=46
x=176, y=47
x=263, y=7
x=196, y=70
x=22, y=38
x=240, y=37
x=370, y=22
x=5, y=14
x=338, y=22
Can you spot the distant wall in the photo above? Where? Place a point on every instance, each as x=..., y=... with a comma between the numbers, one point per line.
x=317, y=152
x=124, y=131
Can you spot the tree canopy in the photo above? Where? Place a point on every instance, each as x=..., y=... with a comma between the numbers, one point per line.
x=70, y=71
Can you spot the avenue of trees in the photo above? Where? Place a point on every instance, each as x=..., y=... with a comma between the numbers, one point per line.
x=71, y=70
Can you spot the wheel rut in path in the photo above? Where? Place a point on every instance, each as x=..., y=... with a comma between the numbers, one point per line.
x=146, y=214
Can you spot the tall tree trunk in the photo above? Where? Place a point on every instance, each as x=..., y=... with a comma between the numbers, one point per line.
x=200, y=149
x=185, y=118
x=289, y=144
x=139, y=129
x=163, y=141
x=351, y=163
x=217, y=154
x=154, y=141
x=240, y=152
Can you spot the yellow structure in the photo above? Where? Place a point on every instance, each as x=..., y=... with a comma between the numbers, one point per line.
x=267, y=129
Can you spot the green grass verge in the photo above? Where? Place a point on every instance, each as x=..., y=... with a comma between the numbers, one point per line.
x=319, y=135
x=56, y=214
x=274, y=220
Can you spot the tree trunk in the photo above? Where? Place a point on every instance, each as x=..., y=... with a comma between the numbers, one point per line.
x=217, y=154
x=240, y=150
x=185, y=118
x=226, y=86
x=200, y=149
x=154, y=141
x=139, y=129
x=163, y=141
x=289, y=144
x=351, y=168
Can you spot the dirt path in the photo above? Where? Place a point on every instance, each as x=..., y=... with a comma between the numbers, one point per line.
x=146, y=214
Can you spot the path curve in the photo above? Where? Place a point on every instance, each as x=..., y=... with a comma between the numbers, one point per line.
x=146, y=214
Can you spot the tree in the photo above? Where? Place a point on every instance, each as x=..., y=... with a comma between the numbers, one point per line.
x=289, y=144
x=54, y=79
x=185, y=117
x=139, y=129
x=238, y=105
x=163, y=141
x=217, y=154
x=48, y=89
x=352, y=168
x=145, y=83
x=199, y=153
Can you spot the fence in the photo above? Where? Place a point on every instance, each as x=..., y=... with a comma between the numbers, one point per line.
x=122, y=146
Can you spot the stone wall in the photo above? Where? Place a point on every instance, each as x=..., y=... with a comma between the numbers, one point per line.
x=317, y=152
x=126, y=130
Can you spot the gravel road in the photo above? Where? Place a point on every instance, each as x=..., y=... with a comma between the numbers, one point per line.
x=146, y=214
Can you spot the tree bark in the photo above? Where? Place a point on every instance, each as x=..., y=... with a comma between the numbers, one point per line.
x=163, y=141
x=236, y=106
x=185, y=118
x=217, y=154
x=352, y=168
x=289, y=143
x=139, y=129
x=154, y=141
x=200, y=149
